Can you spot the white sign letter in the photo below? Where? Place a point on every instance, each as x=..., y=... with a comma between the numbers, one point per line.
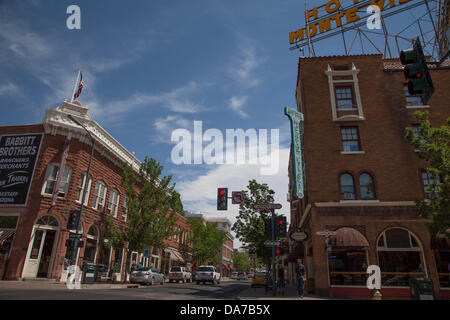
x=73, y=21
x=374, y=280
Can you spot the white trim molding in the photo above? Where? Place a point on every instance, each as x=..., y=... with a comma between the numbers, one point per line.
x=353, y=152
x=354, y=80
x=56, y=121
x=418, y=107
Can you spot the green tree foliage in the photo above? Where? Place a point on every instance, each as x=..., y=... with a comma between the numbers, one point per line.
x=249, y=227
x=433, y=146
x=151, y=213
x=207, y=242
x=242, y=261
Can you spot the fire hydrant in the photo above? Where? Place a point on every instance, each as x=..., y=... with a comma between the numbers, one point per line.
x=376, y=295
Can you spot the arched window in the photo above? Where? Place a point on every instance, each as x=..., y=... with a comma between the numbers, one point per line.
x=400, y=257
x=113, y=202
x=51, y=176
x=347, y=187
x=366, y=187
x=47, y=221
x=99, y=195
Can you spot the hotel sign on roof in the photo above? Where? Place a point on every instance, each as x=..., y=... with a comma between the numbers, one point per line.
x=332, y=15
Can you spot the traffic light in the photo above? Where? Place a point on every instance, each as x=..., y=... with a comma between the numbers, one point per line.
x=279, y=251
x=222, y=198
x=72, y=221
x=281, y=227
x=416, y=71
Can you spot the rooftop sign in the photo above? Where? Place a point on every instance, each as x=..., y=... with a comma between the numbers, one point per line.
x=332, y=15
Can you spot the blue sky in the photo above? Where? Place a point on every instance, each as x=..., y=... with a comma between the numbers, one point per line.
x=150, y=67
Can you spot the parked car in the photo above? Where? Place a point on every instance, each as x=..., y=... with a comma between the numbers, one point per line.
x=242, y=276
x=207, y=274
x=179, y=274
x=259, y=280
x=147, y=275
x=250, y=275
x=234, y=275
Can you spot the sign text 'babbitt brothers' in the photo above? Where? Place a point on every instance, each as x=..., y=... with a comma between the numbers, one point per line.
x=333, y=16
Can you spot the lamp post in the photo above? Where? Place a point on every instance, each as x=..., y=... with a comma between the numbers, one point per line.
x=86, y=182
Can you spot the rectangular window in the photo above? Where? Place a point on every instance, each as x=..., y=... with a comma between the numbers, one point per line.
x=350, y=139
x=125, y=208
x=99, y=196
x=428, y=179
x=344, y=98
x=412, y=100
x=113, y=202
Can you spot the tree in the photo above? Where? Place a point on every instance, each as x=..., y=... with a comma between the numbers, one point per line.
x=207, y=242
x=433, y=146
x=151, y=212
x=242, y=261
x=249, y=227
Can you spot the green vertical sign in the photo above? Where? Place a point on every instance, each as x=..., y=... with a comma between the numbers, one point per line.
x=297, y=156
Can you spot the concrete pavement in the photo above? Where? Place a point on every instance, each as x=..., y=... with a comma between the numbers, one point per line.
x=290, y=293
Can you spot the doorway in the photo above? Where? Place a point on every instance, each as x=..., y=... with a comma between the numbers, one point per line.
x=46, y=254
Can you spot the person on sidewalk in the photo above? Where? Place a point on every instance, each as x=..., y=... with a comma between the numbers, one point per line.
x=281, y=281
x=300, y=273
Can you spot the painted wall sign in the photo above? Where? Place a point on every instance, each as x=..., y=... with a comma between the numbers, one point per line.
x=330, y=16
x=18, y=155
x=297, y=156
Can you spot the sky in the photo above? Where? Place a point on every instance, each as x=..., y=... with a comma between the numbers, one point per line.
x=151, y=67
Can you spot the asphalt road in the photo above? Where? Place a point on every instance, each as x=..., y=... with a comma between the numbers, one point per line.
x=18, y=290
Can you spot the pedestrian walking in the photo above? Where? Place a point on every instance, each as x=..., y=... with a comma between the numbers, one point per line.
x=300, y=274
x=281, y=281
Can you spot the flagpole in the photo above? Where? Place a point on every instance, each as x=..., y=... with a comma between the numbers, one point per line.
x=75, y=85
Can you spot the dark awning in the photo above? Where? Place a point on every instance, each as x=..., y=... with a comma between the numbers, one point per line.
x=348, y=238
x=5, y=234
x=440, y=242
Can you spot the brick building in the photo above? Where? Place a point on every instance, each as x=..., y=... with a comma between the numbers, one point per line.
x=363, y=177
x=36, y=244
x=226, y=256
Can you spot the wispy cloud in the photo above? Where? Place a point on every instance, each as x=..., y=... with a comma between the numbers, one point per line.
x=243, y=66
x=236, y=104
x=8, y=88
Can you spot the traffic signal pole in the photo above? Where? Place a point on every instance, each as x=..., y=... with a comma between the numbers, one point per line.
x=274, y=290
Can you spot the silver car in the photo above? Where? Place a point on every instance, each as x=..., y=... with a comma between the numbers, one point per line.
x=147, y=275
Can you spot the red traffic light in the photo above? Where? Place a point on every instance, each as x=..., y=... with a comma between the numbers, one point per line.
x=278, y=252
x=221, y=191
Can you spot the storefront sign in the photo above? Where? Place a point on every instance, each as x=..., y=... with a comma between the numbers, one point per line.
x=331, y=16
x=296, y=152
x=267, y=206
x=18, y=155
x=298, y=236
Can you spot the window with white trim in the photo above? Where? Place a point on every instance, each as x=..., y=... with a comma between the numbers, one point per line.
x=113, y=202
x=125, y=208
x=99, y=196
x=50, y=180
x=80, y=188
x=345, y=97
x=350, y=139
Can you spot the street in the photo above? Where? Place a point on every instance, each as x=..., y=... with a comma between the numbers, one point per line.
x=42, y=290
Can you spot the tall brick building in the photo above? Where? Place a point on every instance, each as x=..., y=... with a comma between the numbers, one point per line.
x=36, y=244
x=363, y=177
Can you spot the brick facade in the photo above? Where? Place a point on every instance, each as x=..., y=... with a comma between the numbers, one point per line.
x=384, y=153
x=105, y=167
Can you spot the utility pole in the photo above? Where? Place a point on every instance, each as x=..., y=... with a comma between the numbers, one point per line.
x=273, y=254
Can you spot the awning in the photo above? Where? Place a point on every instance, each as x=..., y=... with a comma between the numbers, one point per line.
x=440, y=242
x=348, y=238
x=174, y=254
x=226, y=266
x=5, y=234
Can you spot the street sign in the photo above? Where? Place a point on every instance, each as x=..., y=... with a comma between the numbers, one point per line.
x=272, y=243
x=298, y=236
x=326, y=233
x=75, y=235
x=237, y=197
x=267, y=206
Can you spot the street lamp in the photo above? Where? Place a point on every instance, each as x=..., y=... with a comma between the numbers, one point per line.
x=75, y=244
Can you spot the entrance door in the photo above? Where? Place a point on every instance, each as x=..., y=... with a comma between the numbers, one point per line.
x=46, y=254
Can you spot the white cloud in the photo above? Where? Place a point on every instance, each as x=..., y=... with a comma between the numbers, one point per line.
x=243, y=66
x=236, y=104
x=200, y=194
x=8, y=88
x=165, y=126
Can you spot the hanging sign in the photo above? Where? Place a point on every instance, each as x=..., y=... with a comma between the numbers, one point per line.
x=296, y=150
x=18, y=156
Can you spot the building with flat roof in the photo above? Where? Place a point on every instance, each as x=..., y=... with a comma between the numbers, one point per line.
x=362, y=178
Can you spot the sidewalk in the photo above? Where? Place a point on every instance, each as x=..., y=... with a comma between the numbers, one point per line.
x=290, y=293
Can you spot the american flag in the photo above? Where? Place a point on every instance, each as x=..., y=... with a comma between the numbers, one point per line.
x=80, y=87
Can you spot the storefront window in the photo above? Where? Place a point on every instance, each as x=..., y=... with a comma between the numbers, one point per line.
x=348, y=267
x=91, y=245
x=117, y=260
x=399, y=258
x=443, y=268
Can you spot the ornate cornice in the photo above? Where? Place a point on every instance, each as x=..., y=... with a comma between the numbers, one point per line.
x=56, y=121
